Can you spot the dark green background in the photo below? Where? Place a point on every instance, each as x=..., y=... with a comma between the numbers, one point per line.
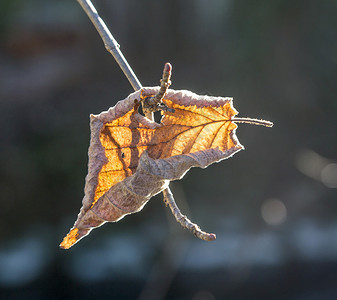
x=277, y=59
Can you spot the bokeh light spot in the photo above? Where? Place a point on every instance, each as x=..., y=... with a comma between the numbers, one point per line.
x=329, y=175
x=274, y=212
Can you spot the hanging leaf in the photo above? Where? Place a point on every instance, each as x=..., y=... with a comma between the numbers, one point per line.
x=132, y=158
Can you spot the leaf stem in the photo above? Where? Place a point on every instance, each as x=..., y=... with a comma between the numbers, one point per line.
x=253, y=121
x=110, y=43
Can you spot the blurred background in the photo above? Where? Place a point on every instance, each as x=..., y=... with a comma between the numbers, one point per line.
x=272, y=206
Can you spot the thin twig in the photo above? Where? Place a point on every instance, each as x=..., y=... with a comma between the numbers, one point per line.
x=152, y=104
x=110, y=43
x=165, y=83
x=183, y=220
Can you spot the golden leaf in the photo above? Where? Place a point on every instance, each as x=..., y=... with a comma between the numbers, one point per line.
x=132, y=158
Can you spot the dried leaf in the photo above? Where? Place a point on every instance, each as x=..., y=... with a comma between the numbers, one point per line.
x=132, y=158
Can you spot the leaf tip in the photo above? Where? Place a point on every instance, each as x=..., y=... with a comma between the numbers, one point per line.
x=71, y=238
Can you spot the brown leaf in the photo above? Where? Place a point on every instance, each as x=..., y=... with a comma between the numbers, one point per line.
x=132, y=158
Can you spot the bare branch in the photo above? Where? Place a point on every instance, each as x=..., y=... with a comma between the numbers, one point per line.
x=110, y=43
x=183, y=220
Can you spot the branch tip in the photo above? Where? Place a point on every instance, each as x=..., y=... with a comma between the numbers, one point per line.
x=167, y=67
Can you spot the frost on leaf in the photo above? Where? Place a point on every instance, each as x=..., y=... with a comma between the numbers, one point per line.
x=132, y=158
